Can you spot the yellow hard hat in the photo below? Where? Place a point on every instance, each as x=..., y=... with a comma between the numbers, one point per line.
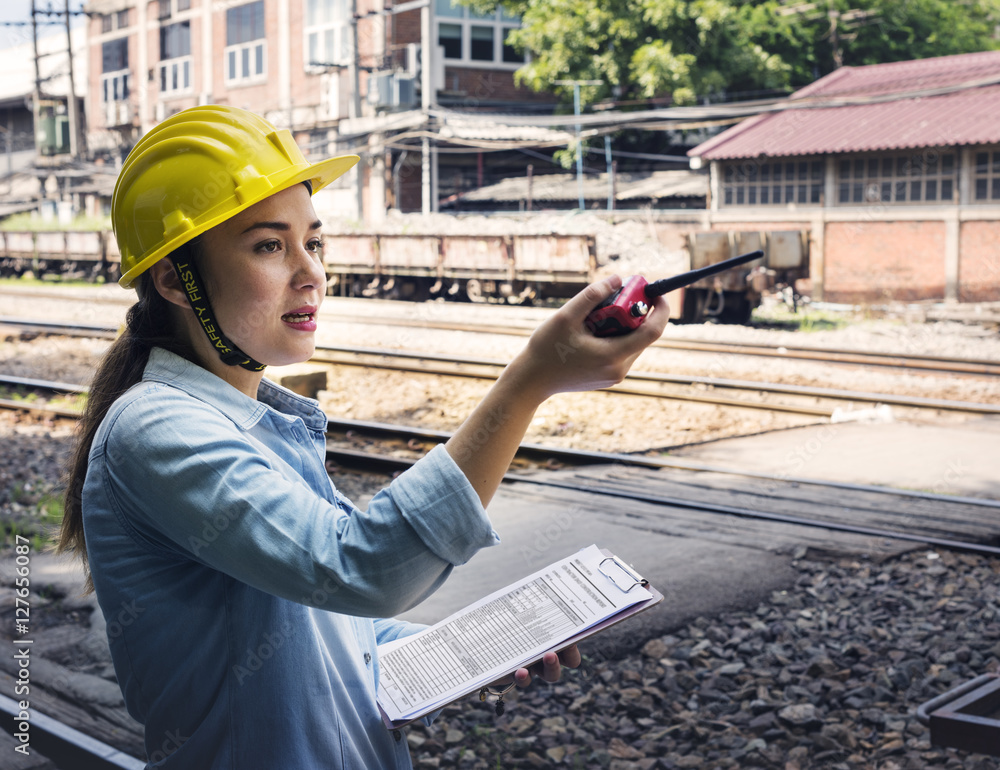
x=199, y=168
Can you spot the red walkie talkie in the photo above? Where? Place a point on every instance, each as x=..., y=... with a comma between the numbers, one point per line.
x=626, y=309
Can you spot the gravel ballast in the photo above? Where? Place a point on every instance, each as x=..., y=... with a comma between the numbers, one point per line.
x=827, y=674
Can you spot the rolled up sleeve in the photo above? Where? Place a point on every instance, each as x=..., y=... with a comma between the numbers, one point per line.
x=183, y=480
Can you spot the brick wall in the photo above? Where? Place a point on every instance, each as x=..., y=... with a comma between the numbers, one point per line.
x=878, y=261
x=486, y=85
x=979, y=268
x=406, y=27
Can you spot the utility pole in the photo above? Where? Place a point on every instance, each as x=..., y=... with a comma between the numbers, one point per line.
x=425, y=106
x=71, y=103
x=36, y=97
x=579, y=147
x=611, y=172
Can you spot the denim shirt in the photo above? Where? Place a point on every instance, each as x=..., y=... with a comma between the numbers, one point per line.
x=241, y=591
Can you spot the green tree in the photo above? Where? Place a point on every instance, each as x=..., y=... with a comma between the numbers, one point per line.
x=690, y=49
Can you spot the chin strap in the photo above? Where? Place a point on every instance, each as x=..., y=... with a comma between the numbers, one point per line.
x=194, y=287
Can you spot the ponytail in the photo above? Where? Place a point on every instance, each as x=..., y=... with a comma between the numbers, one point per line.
x=148, y=324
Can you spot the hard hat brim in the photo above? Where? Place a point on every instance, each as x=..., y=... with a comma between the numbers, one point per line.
x=319, y=175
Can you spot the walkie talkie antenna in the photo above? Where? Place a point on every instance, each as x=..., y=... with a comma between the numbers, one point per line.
x=661, y=287
x=625, y=310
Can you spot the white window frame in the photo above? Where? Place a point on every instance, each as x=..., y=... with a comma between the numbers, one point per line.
x=339, y=24
x=173, y=11
x=252, y=50
x=498, y=22
x=115, y=83
x=111, y=22
x=179, y=70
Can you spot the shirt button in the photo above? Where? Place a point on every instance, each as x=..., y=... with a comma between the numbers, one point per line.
x=368, y=658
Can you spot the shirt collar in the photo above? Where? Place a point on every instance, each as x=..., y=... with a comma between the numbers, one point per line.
x=172, y=369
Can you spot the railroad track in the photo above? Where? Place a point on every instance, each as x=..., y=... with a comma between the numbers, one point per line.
x=927, y=364
x=64, y=746
x=933, y=534
x=745, y=394
x=742, y=394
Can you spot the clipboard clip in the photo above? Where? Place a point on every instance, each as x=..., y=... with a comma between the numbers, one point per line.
x=636, y=578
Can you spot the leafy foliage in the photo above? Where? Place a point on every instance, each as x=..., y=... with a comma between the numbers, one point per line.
x=688, y=50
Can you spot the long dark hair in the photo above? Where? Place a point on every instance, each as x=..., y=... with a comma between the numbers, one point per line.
x=148, y=324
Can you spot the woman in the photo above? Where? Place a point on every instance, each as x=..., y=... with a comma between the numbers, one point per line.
x=248, y=595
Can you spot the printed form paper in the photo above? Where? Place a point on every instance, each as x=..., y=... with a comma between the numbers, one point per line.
x=501, y=632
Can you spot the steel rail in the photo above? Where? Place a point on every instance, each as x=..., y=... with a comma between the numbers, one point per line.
x=64, y=328
x=747, y=513
x=65, y=746
x=579, y=456
x=582, y=456
x=348, y=457
x=656, y=386
x=411, y=361
x=924, y=363
x=49, y=386
x=941, y=364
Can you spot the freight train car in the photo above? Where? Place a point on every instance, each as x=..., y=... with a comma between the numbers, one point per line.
x=732, y=295
x=510, y=268
x=525, y=268
x=514, y=269
x=79, y=254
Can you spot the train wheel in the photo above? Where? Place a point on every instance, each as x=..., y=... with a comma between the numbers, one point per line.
x=474, y=290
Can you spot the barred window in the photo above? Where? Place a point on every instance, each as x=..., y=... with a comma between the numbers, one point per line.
x=777, y=182
x=986, y=174
x=915, y=177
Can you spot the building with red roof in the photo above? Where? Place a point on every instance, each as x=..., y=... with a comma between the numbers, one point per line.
x=893, y=169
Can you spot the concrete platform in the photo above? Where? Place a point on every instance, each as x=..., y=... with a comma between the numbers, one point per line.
x=710, y=572
x=957, y=458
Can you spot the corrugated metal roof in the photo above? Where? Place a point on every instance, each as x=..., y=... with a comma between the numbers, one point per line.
x=968, y=115
x=458, y=128
x=562, y=187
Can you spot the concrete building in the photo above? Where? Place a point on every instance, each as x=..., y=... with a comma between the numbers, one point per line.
x=343, y=75
x=893, y=169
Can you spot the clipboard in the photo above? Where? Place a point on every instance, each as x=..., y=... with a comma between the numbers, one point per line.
x=615, y=570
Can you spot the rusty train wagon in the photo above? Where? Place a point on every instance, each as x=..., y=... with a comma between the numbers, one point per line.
x=500, y=268
x=512, y=269
x=519, y=269
x=80, y=254
x=732, y=295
